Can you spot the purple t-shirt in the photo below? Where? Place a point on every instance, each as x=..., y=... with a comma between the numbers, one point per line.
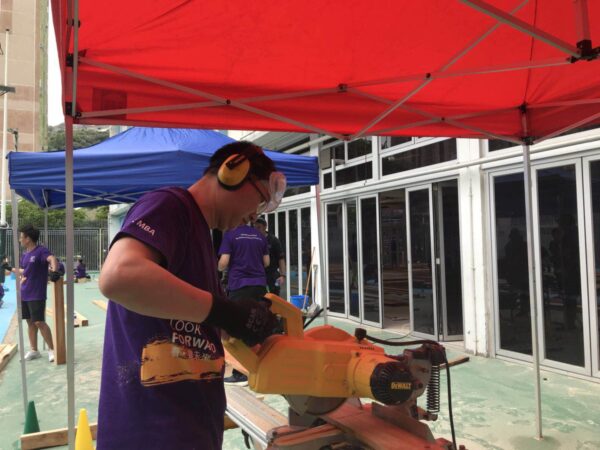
x=35, y=273
x=80, y=271
x=246, y=247
x=162, y=380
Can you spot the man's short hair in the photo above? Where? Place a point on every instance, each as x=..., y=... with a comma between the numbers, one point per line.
x=261, y=166
x=262, y=221
x=31, y=232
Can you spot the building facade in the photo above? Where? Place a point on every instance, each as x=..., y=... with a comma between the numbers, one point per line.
x=427, y=236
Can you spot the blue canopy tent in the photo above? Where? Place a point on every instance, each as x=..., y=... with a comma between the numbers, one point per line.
x=124, y=167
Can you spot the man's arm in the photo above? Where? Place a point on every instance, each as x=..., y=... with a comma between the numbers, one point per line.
x=223, y=262
x=53, y=263
x=266, y=260
x=132, y=277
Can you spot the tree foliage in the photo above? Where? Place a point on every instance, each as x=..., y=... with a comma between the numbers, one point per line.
x=31, y=214
x=82, y=137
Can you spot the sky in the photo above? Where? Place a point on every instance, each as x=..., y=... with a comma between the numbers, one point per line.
x=55, y=113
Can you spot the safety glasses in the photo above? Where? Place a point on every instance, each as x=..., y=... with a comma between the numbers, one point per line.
x=272, y=199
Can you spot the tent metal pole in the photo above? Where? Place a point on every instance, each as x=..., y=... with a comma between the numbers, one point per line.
x=522, y=26
x=70, y=288
x=4, y=136
x=46, y=226
x=320, y=226
x=568, y=128
x=69, y=115
x=582, y=22
x=533, y=304
x=17, y=265
x=532, y=291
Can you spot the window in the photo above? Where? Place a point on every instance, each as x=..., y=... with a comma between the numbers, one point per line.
x=392, y=141
x=359, y=147
x=498, y=144
x=427, y=155
x=352, y=174
x=296, y=191
x=327, y=181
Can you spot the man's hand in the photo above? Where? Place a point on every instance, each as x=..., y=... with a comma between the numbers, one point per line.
x=55, y=276
x=246, y=319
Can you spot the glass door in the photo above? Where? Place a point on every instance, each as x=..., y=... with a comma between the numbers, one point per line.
x=370, y=293
x=421, y=271
x=591, y=171
x=559, y=240
x=448, y=261
x=335, y=259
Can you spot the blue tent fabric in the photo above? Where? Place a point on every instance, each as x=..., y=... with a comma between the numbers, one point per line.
x=124, y=167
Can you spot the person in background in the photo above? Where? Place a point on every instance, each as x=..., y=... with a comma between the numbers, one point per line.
x=276, y=268
x=35, y=263
x=4, y=267
x=80, y=270
x=244, y=254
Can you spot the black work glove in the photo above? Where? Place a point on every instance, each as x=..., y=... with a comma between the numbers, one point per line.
x=55, y=276
x=249, y=320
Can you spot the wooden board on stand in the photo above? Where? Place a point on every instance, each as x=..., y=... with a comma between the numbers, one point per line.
x=60, y=350
x=7, y=351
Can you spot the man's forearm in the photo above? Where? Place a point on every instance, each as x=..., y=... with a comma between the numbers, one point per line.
x=147, y=288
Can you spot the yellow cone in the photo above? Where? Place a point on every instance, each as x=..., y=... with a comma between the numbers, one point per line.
x=83, y=438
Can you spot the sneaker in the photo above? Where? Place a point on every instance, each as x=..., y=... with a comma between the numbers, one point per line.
x=236, y=379
x=50, y=355
x=32, y=354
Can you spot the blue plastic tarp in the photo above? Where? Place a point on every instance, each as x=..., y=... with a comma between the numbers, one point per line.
x=122, y=168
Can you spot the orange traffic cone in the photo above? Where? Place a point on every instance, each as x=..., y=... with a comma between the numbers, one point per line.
x=83, y=438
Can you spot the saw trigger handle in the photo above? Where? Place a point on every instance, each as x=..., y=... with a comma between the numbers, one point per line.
x=292, y=316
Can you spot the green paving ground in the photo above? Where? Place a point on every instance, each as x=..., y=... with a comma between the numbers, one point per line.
x=493, y=399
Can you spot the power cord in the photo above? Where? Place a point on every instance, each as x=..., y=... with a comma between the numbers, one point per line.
x=361, y=333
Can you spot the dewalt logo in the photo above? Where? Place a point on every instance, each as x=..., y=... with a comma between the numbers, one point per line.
x=401, y=385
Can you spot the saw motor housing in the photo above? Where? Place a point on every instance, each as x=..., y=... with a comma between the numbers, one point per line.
x=328, y=362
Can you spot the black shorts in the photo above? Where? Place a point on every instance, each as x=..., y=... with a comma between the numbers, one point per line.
x=34, y=310
x=253, y=292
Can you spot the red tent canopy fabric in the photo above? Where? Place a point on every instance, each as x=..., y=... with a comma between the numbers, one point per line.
x=464, y=68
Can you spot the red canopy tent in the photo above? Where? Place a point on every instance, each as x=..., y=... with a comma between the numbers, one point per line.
x=517, y=70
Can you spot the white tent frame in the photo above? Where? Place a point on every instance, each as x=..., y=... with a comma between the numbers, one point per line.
x=573, y=54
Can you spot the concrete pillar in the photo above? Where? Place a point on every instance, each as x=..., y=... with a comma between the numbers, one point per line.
x=475, y=246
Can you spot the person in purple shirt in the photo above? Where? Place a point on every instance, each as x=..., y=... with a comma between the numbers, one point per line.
x=80, y=271
x=245, y=254
x=162, y=371
x=34, y=266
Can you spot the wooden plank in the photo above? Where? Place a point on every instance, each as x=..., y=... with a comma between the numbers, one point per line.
x=101, y=304
x=80, y=319
x=60, y=351
x=375, y=433
x=455, y=362
x=242, y=402
x=7, y=351
x=51, y=438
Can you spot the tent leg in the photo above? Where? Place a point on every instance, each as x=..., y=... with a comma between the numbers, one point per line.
x=70, y=288
x=532, y=289
x=46, y=226
x=16, y=262
x=324, y=301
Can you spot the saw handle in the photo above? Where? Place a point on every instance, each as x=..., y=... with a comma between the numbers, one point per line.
x=292, y=325
x=292, y=316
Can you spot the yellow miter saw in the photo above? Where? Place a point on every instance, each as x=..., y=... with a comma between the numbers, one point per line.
x=324, y=372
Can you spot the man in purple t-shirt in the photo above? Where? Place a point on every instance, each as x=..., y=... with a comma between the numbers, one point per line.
x=245, y=254
x=162, y=372
x=34, y=280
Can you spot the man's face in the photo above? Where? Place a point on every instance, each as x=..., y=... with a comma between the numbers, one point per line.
x=243, y=204
x=24, y=240
x=260, y=227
